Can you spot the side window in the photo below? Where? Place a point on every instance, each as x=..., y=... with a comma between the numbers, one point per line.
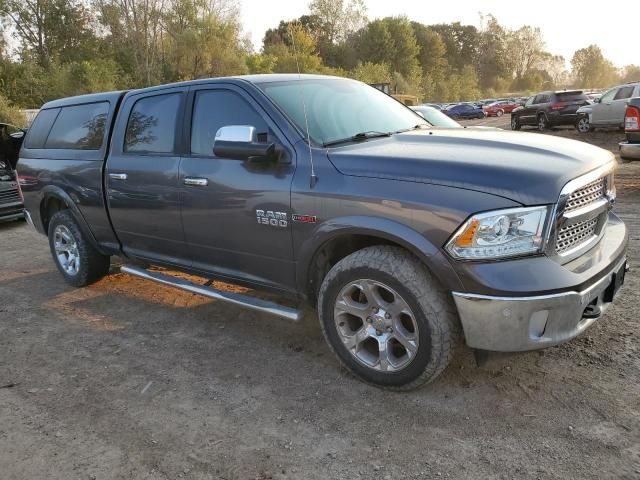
x=214, y=109
x=607, y=97
x=40, y=128
x=537, y=99
x=623, y=93
x=80, y=127
x=152, y=124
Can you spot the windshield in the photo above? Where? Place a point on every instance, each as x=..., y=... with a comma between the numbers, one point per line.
x=436, y=117
x=339, y=108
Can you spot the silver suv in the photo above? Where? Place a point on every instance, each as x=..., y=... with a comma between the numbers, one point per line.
x=608, y=110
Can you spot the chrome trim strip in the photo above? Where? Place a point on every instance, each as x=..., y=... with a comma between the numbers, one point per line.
x=27, y=215
x=246, y=301
x=587, y=178
x=577, y=214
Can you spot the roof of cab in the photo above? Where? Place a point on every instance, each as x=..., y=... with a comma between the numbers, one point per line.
x=114, y=96
x=111, y=97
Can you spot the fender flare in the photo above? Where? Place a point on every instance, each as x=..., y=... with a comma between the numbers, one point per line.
x=53, y=191
x=382, y=228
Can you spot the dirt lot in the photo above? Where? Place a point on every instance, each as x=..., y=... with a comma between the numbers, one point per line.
x=126, y=379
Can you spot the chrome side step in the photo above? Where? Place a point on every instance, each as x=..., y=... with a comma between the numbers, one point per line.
x=236, y=298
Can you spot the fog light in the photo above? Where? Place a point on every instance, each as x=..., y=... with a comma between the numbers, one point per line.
x=538, y=323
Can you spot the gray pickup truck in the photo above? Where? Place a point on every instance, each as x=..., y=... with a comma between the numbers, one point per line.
x=406, y=237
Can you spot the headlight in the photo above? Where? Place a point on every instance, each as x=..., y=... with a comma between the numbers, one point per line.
x=499, y=234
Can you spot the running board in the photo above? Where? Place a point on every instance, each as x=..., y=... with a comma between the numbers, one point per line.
x=246, y=301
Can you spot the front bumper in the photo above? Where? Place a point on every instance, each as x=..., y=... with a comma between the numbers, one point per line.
x=514, y=324
x=535, y=302
x=629, y=151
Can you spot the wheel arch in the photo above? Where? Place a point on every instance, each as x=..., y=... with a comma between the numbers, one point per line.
x=340, y=237
x=55, y=199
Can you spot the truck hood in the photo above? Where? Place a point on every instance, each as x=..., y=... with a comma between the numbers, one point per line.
x=528, y=168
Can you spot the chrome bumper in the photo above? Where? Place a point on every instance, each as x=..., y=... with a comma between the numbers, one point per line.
x=28, y=217
x=514, y=324
x=629, y=151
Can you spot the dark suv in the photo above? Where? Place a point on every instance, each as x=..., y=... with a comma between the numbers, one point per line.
x=549, y=109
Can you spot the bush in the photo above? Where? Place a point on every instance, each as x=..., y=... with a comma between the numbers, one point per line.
x=9, y=113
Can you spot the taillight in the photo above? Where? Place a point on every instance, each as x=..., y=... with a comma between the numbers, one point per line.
x=558, y=105
x=632, y=119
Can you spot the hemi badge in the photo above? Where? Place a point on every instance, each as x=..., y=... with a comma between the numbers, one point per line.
x=304, y=218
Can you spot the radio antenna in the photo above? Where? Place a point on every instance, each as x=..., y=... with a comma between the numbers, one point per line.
x=313, y=179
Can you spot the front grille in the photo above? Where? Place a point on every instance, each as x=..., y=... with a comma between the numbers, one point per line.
x=575, y=235
x=9, y=196
x=590, y=193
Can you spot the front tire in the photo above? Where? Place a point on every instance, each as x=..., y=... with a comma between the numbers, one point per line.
x=515, y=123
x=387, y=319
x=583, y=125
x=77, y=260
x=499, y=113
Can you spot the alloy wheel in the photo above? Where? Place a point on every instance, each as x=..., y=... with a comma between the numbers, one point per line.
x=376, y=325
x=66, y=249
x=583, y=125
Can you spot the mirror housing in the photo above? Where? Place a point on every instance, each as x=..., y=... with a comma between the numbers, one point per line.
x=240, y=142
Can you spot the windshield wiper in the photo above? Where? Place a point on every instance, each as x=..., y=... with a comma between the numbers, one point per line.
x=358, y=137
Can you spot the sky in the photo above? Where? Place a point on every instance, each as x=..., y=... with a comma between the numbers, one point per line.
x=566, y=25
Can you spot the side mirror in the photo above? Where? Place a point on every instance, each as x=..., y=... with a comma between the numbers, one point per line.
x=596, y=100
x=240, y=142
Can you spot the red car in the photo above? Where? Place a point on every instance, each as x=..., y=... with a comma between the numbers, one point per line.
x=499, y=108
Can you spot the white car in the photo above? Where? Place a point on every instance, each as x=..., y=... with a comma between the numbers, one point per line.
x=608, y=110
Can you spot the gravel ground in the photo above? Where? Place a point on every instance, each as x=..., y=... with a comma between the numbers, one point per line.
x=127, y=379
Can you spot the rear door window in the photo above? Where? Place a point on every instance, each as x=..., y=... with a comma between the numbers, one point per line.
x=624, y=93
x=40, y=128
x=79, y=127
x=152, y=124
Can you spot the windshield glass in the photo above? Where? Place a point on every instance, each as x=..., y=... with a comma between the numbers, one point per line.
x=436, y=117
x=339, y=108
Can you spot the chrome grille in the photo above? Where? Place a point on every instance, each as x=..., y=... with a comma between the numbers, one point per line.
x=9, y=196
x=575, y=235
x=591, y=192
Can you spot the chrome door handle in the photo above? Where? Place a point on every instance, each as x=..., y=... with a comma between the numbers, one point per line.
x=118, y=176
x=196, y=182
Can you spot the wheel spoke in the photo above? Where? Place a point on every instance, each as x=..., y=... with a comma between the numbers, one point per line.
x=352, y=341
x=383, y=355
x=373, y=295
x=353, y=308
x=408, y=342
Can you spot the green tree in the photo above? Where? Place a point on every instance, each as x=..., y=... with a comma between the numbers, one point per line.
x=631, y=73
x=368, y=72
x=525, y=48
x=591, y=69
x=50, y=30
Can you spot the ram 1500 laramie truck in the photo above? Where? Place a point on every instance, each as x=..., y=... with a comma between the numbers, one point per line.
x=406, y=237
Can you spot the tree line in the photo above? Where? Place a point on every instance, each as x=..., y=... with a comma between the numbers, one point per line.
x=57, y=48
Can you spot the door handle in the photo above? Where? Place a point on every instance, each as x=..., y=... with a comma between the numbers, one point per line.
x=118, y=176
x=196, y=182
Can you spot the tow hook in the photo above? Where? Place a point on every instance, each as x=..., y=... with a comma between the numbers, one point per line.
x=592, y=311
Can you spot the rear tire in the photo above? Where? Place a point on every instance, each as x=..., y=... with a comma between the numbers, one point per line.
x=543, y=123
x=387, y=319
x=76, y=258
